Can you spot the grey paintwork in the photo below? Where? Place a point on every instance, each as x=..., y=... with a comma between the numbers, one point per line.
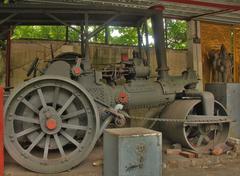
x=134, y=151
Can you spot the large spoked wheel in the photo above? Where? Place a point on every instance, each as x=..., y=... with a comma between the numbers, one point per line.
x=51, y=124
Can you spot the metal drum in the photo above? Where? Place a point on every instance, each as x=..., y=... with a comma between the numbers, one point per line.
x=198, y=136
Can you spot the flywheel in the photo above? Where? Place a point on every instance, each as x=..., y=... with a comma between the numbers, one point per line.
x=51, y=124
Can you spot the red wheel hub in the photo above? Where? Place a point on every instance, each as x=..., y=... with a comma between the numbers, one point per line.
x=51, y=124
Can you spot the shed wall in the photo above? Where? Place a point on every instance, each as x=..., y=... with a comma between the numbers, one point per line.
x=24, y=51
x=212, y=37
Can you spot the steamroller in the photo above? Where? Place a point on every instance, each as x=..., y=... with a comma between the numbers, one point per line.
x=53, y=120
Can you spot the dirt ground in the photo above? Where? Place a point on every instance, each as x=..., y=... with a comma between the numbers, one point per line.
x=178, y=166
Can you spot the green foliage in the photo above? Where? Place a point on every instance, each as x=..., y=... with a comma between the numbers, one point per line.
x=176, y=34
x=73, y=35
x=123, y=36
x=40, y=32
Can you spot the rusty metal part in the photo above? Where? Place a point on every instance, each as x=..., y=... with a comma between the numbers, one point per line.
x=120, y=121
x=119, y=118
x=122, y=98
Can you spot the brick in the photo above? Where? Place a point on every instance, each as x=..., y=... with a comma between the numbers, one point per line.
x=220, y=149
x=197, y=155
x=173, y=151
x=217, y=151
x=187, y=154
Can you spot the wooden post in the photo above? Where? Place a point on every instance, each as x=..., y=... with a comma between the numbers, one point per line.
x=194, y=59
x=1, y=133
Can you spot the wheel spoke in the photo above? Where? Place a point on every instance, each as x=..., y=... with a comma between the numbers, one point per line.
x=46, y=148
x=51, y=121
x=59, y=145
x=30, y=106
x=68, y=137
x=27, y=131
x=73, y=114
x=55, y=97
x=188, y=131
x=41, y=96
x=26, y=119
x=66, y=105
x=200, y=140
x=36, y=141
x=74, y=127
x=207, y=139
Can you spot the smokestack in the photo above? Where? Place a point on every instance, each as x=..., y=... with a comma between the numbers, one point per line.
x=159, y=39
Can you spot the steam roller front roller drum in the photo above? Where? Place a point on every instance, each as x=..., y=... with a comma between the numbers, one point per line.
x=51, y=124
x=199, y=137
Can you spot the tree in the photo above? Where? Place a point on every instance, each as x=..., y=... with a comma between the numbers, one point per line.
x=123, y=36
x=40, y=32
x=176, y=34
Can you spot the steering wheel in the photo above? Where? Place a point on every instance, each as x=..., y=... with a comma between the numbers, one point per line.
x=33, y=67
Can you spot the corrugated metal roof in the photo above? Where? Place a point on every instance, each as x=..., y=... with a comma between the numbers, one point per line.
x=35, y=12
x=223, y=11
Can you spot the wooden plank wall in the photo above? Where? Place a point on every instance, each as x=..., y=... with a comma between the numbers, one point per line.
x=23, y=53
x=212, y=37
x=237, y=53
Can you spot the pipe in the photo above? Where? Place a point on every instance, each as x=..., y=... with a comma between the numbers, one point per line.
x=106, y=35
x=207, y=100
x=139, y=42
x=8, y=60
x=67, y=34
x=147, y=42
x=159, y=39
x=82, y=42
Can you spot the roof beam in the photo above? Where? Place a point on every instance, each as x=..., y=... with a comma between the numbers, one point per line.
x=62, y=22
x=100, y=28
x=206, y=4
x=7, y=18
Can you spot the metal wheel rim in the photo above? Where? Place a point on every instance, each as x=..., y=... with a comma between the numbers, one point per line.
x=66, y=161
x=207, y=139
